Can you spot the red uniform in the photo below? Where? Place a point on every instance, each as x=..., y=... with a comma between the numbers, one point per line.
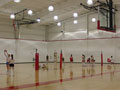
x=88, y=60
x=71, y=59
x=108, y=60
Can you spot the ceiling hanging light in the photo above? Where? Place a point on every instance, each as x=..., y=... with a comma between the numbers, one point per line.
x=55, y=17
x=30, y=12
x=17, y=1
x=75, y=15
x=75, y=22
x=59, y=24
x=12, y=16
x=38, y=20
x=50, y=8
x=89, y=2
x=93, y=19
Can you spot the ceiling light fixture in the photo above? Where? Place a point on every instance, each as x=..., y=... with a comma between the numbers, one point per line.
x=59, y=24
x=75, y=15
x=89, y=2
x=17, y=1
x=75, y=22
x=50, y=8
x=38, y=20
x=30, y=12
x=12, y=16
x=55, y=17
x=93, y=19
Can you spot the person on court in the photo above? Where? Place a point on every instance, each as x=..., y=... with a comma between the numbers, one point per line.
x=47, y=58
x=43, y=66
x=108, y=60
x=55, y=57
x=92, y=60
x=83, y=58
x=112, y=60
x=71, y=58
x=11, y=63
x=63, y=59
x=88, y=60
x=7, y=59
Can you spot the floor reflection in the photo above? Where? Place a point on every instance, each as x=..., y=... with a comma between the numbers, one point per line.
x=10, y=81
x=111, y=68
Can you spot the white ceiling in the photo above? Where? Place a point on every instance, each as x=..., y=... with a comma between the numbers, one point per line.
x=63, y=8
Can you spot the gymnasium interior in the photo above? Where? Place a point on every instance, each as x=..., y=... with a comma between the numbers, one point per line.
x=43, y=34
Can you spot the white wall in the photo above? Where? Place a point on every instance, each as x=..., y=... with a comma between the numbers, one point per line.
x=34, y=32
x=31, y=37
x=74, y=40
x=79, y=39
x=6, y=27
x=23, y=50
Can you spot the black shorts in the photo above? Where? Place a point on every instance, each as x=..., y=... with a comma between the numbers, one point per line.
x=11, y=65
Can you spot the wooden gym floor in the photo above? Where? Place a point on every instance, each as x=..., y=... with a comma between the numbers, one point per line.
x=71, y=77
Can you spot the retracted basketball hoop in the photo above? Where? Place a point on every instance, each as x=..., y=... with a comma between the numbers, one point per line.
x=106, y=14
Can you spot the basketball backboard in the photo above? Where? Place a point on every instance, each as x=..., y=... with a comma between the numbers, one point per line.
x=106, y=17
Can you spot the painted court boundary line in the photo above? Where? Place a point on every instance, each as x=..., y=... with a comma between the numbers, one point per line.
x=79, y=39
x=54, y=81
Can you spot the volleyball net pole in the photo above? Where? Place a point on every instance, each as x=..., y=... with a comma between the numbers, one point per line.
x=61, y=57
x=36, y=60
x=101, y=58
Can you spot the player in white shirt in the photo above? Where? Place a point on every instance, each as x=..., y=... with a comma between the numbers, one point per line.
x=7, y=59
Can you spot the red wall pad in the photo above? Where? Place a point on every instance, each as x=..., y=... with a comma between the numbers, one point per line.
x=36, y=61
x=61, y=57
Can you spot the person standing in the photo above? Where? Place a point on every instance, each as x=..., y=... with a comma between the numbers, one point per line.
x=7, y=59
x=55, y=60
x=55, y=57
x=112, y=60
x=92, y=60
x=71, y=58
x=47, y=58
x=11, y=63
x=83, y=58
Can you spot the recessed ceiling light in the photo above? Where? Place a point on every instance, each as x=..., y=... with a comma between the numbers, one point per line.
x=75, y=15
x=59, y=24
x=55, y=17
x=50, y=8
x=93, y=19
x=17, y=1
x=89, y=2
x=38, y=20
x=30, y=12
x=12, y=16
x=75, y=22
